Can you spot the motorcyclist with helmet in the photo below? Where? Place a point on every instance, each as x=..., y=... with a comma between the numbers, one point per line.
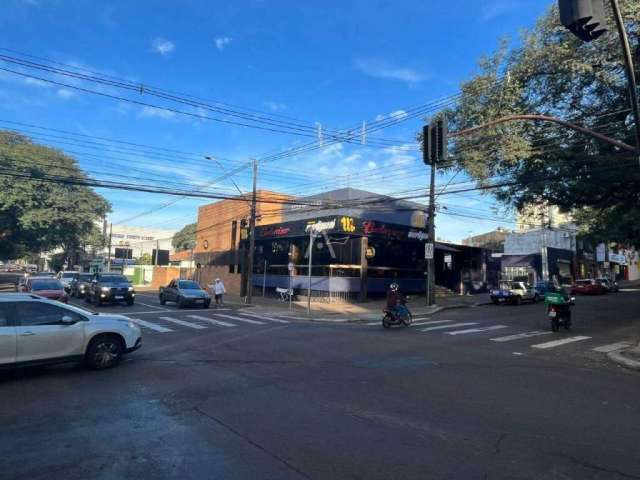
x=396, y=302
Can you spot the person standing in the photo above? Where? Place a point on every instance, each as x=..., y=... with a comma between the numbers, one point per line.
x=218, y=291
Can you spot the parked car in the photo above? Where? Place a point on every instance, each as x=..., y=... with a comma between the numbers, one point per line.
x=588, y=287
x=183, y=293
x=38, y=331
x=66, y=278
x=80, y=284
x=110, y=288
x=514, y=292
x=46, y=287
x=610, y=285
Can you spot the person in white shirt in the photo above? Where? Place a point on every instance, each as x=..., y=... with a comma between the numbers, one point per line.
x=218, y=291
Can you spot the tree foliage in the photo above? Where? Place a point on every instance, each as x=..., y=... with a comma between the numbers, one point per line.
x=551, y=72
x=182, y=240
x=38, y=215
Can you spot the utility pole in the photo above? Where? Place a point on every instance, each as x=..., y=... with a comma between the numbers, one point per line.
x=431, y=277
x=155, y=260
x=109, y=248
x=544, y=250
x=252, y=234
x=311, y=238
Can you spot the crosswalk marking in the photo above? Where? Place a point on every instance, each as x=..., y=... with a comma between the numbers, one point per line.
x=270, y=319
x=519, y=336
x=557, y=343
x=151, y=326
x=432, y=322
x=477, y=330
x=239, y=319
x=183, y=323
x=440, y=327
x=612, y=347
x=211, y=320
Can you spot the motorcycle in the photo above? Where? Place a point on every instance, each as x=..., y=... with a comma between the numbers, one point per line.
x=559, y=310
x=390, y=317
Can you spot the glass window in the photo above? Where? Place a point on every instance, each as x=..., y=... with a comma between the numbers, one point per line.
x=188, y=285
x=4, y=314
x=113, y=279
x=40, y=313
x=45, y=285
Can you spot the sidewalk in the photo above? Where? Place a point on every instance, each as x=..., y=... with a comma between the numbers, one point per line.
x=354, y=312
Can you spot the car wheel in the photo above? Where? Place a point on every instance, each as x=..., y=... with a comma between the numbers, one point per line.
x=179, y=302
x=518, y=300
x=536, y=298
x=495, y=301
x=162, y=300
x=104, y=351
x=130, y=301
x=206, y=304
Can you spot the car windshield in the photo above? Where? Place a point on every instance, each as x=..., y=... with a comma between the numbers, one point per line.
x=85, y=277
x=584, y=282
x=45, y=285
x=506, y=286
x=68, y=274
x=114, y=279
x=188, y=285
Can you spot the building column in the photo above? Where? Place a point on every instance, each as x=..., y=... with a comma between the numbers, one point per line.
x=364, y=263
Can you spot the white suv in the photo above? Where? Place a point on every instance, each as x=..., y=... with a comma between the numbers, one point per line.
x=34, y=330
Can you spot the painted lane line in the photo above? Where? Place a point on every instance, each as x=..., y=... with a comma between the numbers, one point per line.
x=557, y=343
x=239, y=319
x=375, y=323
x=454, y=325
x=151, y=326
x=612, y=347
x=519, y=336
x=270, y=319
x=183, y=323
x=432, y=322
x=154, y=306
x=211, y=320
x=477, y=330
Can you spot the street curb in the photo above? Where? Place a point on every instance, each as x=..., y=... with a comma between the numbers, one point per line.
x=619, y=358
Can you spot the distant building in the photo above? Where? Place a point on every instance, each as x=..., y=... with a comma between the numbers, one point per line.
x=534, y=216
x=129, y=243
x=493, y=240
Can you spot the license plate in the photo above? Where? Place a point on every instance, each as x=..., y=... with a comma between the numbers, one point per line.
x=552, y=314
x=119, y=297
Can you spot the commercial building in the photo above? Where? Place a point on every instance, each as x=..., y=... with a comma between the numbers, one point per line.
x=493, y=240
x=129, y=243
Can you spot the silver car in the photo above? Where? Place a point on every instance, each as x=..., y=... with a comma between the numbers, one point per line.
x=34, y=330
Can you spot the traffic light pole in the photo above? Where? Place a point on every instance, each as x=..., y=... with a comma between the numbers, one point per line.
x=431, y=277
x=252, y=234
x=628, y=63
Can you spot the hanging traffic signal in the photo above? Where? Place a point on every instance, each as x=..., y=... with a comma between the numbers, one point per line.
x=584, y=18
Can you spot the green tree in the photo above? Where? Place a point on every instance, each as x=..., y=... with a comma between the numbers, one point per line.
x=145, y=259
x=551, y=72
x=183, y=238
x=38, y=215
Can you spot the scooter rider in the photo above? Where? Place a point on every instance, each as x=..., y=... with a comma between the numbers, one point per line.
x=396, y=301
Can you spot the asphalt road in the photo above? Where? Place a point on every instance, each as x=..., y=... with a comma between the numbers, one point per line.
x=282, y=398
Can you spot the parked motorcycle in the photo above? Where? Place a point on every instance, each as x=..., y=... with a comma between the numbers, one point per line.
x=559, y=310
x=390, y=317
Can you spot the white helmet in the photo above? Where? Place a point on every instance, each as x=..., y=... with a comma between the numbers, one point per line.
x=394, y=287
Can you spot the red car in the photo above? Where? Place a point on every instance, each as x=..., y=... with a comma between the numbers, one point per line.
x=588, y=287
x=46, y=287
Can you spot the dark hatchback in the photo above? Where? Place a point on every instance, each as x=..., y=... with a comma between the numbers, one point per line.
x=110, y=288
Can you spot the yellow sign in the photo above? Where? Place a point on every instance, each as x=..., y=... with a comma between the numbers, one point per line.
x=348, y=224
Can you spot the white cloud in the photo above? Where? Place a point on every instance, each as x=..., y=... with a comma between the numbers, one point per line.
x=163, y=46
x=398, y=114
x=354, y=157
x=65, y=93
x=371, y=165
x=150, y=112
x=381, y=69
x=274, y=106
x=36, y=83
x=222, y=42
x=379, y=117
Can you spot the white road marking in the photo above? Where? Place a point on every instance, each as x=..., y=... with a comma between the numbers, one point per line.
x=372, y=323
x=153, y=306
x=557, y=343
x=151, y=326
x=612, y=347
x=183, y=323
x=239, y=319
x=432, y=322
x=509, y=338
x=477, y=330
x=454, y=325
x=270, y=319
x=211, y=320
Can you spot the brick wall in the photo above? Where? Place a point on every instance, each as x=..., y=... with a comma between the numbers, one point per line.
x=206, y=275
x=163, y=275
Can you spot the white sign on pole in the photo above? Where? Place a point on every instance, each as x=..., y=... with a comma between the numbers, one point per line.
x=428, y=251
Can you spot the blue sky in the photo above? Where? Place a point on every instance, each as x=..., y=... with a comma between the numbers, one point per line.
x=337, y=63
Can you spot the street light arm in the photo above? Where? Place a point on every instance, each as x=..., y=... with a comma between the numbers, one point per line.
x=546, y=118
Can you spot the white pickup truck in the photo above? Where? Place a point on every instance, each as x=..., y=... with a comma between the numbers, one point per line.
x=514, y=292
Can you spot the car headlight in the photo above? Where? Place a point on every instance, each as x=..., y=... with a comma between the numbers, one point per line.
x=105, y=289
x=131, y=289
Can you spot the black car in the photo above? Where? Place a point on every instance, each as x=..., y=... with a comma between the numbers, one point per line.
x=110, y=288
x=183, y=293
x=80, y=284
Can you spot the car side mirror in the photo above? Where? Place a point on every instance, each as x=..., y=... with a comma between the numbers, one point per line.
x=67, y=320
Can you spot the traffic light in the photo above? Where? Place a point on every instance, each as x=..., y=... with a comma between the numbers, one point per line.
x=584, y=18
x=434, y=141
